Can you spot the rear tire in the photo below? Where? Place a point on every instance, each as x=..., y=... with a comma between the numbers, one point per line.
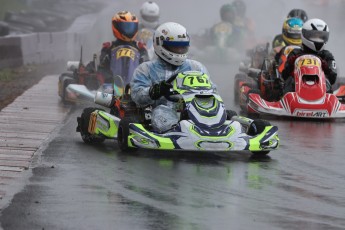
x=65, y=79
x=240, y=77
x=83, y=125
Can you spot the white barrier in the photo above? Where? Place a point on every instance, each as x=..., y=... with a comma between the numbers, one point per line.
x=88, y=31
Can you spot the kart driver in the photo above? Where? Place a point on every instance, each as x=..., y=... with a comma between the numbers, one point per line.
x=148, y=85
x=315, y=34
x=291, y=34
x=298, y=13
x=226, y=26
x=149, y=16
x=125, y=29
x=149, y=21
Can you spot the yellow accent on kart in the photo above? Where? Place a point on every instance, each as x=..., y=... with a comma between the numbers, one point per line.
x=254, y=143
x=194, y=81
x=97, y=127
x=164, y=142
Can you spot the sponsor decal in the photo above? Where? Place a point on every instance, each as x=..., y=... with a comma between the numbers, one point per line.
x=316, y=114
x=102, y=124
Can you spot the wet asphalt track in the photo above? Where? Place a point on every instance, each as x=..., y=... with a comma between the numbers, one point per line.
x=77, y=186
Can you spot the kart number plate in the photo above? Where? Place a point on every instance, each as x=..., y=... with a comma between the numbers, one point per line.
x=310, y=61
x=125, y=52
x=197, y=81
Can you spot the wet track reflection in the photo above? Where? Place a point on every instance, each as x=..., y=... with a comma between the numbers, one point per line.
x=300, y=186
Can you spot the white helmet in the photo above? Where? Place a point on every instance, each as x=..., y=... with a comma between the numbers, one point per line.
x=149, y=13
x=315, y=34
x=171, y=43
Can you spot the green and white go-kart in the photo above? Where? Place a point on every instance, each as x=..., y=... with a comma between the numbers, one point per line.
x=204, y=125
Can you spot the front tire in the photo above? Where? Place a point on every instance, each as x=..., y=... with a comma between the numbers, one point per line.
x=123, y=133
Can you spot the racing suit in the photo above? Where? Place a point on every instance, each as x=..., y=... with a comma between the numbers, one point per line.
x=328, y=65
x=153, y=72
x=105, y=56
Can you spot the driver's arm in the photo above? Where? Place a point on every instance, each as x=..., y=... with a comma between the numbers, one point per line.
x=140, y=86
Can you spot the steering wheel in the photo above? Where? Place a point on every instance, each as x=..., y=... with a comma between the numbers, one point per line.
x=173, y=95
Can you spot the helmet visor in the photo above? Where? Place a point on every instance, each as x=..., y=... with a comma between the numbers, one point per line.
x=177, y=47
x=128, y=29
x=292, y=33
x=150, y=18
x=316, y=35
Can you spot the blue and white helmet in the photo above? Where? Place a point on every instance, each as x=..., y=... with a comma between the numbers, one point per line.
x=315, y=34
x=171, y=43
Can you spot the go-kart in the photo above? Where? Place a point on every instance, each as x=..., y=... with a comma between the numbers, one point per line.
x=255, y=58
x=204, y=124
x=309, y=97
x=77, y=84
x=79, y=74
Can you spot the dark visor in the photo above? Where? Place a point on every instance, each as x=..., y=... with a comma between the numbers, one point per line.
x=178, y=47
x=295, y=34
x=150, y=18
x=128, y=29
x=316, y=35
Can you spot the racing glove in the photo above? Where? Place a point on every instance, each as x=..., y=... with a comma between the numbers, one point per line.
x=160, y=89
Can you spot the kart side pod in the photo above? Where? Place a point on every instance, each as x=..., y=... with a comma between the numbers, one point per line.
x=103, y=124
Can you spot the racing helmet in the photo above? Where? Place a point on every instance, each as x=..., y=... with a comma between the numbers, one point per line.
x=298, y=13
x=149, y=13
x=291, y=32
x=171, y=43
x=315, y=34
x=125, y=26
x=240, y=7
x=227, y=13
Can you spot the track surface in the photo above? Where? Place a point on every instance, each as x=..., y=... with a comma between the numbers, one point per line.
x=77, y=186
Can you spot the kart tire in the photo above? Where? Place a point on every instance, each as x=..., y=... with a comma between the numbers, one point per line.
x=255, y=128
x=240, y=77
x=123, y=133
x=84, y=125
x=230, y=114
x=66, y=79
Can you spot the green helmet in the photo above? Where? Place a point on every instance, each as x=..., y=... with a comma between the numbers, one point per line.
x=227, y=13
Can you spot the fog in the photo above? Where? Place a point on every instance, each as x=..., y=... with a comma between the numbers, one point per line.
x=268, y=16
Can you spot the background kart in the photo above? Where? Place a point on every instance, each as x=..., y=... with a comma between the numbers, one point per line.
x=77, y=84
x=204, y=124
x=264, y=95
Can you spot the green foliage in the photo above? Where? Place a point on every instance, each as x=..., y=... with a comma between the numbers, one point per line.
x=6, y=74
x=11, y=5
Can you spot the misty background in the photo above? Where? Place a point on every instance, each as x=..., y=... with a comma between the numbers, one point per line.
x=197, y=16
x=268, y=17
